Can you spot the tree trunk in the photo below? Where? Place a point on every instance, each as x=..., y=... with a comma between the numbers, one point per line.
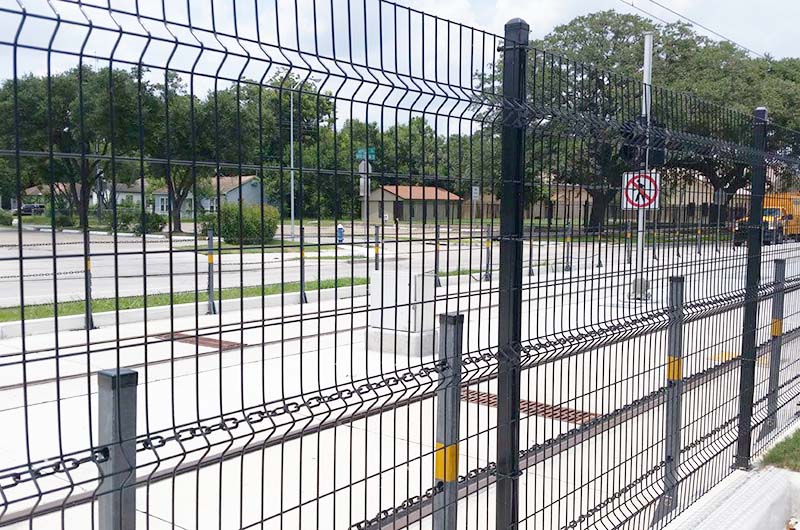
x=176, y=214
x=600, y=201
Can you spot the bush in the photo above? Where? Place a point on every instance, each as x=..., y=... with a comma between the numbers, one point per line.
x=128, y=219
x=64, y=220
x=252, y=232
x=6, y=218
x=153, y=224
x=206, y=221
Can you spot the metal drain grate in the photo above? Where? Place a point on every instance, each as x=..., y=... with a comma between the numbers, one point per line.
x=207, y=342
x=530, y=408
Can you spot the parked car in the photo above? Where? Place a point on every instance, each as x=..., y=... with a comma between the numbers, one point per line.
x=31, y=209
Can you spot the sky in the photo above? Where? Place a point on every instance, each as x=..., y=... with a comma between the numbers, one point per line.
x=765, y=26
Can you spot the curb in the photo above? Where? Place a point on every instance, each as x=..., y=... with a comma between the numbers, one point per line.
x=130, y=316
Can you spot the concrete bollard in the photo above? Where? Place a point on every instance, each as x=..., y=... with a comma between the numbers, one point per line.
x=448, y=408
x=116, y=494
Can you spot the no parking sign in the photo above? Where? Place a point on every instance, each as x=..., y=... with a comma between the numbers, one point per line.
x=640, y=190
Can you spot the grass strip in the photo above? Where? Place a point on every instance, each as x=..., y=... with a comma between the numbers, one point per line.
x=10, y=314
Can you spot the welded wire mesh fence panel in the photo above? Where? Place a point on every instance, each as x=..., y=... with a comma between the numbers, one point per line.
x=255, y=275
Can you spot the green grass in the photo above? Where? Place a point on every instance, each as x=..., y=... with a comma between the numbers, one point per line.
x=460, y=272
x=271, y=246
x=9, y=314
x=786, y=454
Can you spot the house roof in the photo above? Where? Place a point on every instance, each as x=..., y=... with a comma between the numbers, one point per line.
x=43, y=190
x=133, y=187
x=226, y=184
x=418, y=193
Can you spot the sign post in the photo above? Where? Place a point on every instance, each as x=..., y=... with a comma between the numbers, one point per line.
x=640, y=289
x=641, y=192
x=364, y=169
x=476, y=196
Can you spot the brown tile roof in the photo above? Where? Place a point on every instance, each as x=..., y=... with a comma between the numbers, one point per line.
x=418, y=193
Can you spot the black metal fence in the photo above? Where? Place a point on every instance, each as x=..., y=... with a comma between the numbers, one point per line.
x=349, y=265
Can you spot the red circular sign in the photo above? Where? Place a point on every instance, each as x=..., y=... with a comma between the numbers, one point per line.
x=641, y=190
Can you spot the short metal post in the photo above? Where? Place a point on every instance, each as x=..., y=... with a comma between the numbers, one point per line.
x=487, y=272
x=699, y=234
x=377, y=247
x=654, y=234
x=776, y=330
x=448, y=408
x=600, y=247
x=87, y=277
x=530, y=253
x=117, y=433
x=303, y=296
x=212, y=306
x=672, y=439
x=568, y=242
x=628, y=242
x=436, y=257
x=749, y=324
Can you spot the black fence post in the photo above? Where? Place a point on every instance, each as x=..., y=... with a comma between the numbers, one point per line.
x=749, y=327
x=515, y=60
x=116, y=398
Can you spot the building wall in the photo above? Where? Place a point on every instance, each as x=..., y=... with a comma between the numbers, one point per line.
x=250, y=192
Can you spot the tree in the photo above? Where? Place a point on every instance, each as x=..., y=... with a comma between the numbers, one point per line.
x=70, y=114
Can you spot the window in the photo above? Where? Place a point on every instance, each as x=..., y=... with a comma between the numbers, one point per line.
x=212, y=205
x=162, y=204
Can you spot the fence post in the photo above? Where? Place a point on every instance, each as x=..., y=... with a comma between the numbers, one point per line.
x=515, y=60
x=448, y=408
x=212, y=307
x=436, y=258
x=699, y=234
x=117, y=431
x=487, y=272
x=87, y=277
x=303, y=297
x=749, y=327
x=568, y=243
x=377, y=247
x=672, y=439
x=776, y=331
x=628, y=242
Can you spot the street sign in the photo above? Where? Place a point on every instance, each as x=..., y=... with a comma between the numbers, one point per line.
x=640, y=190
x=476, y=193
x=364, y=154
x=364, y=168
